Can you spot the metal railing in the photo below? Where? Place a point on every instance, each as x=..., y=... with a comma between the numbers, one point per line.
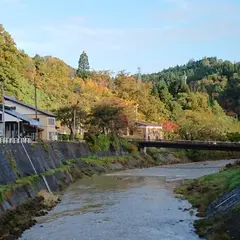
x=15, y=140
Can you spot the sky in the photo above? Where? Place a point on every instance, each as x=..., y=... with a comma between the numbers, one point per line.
x=125, y=34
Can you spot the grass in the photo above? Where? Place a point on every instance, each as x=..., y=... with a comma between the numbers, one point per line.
x=197, y=155
x=203, y=191
x=12, y=163
x=3, y=190
x=104, y=161
x=26, y=180
x=204, y=155
x=156, y=150
x=63, y=168
x=179, y=154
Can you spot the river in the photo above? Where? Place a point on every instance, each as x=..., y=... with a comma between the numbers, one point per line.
x=128, y=205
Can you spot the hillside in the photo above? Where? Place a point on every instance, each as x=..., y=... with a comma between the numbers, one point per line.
x=219, y=79
x=189, y=108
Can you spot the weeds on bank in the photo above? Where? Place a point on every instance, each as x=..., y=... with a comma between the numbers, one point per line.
x=103, y=161
x=205, y=190
x=30, y=180
x=3, y=190
x=201, y=192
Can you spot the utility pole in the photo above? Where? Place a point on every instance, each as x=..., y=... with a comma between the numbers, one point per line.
x=36, y=114
x=185, y=78
x=136, y=112
x=3, y=109
x=74, y=122
x=139, y=75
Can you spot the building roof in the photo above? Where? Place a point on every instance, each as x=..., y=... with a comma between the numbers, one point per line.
x=13, y=99
x=15, y=114
x=147, y=124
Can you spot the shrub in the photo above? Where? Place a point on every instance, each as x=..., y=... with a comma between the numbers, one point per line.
x=98, y=143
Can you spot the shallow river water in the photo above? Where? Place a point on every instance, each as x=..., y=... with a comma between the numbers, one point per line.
x=128, y=205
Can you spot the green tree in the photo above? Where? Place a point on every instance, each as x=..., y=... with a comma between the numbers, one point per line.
x=163, y=92
x=109, y=117
x=204, y=125
x=66, y=117
x=83, y=66
x=183, y=87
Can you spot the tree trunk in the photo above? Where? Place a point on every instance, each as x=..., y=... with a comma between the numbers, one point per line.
x=71, y=133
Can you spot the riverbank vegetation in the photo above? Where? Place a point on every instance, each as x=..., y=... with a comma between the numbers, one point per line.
x=196, y=155
x=196, y=101
x=205, y=190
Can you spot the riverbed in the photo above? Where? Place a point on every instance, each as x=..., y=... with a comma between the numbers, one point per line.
x=128, y=205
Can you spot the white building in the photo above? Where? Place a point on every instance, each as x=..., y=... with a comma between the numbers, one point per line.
x=17, y=125
x=25, y=113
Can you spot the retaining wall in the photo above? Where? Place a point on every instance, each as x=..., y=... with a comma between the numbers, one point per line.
x=15, y=164
x=225, y=203
x=14, y=161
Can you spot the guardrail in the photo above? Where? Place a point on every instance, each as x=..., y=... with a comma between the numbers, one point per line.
x=15, y=140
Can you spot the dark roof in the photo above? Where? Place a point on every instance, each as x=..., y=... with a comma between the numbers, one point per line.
x=13, y=99
x=148, y=124
x=31, y=121
x=15, y=114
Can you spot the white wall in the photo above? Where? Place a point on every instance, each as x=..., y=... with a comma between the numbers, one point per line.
x=19, y=108
x=31, y=114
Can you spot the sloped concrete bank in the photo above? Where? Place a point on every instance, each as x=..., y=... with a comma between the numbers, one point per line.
x=217, y=198
x=26, y=171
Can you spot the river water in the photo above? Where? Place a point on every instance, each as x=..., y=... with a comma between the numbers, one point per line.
x=129, y=205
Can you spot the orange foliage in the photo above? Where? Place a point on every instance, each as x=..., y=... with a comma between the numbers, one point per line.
x=170, y=126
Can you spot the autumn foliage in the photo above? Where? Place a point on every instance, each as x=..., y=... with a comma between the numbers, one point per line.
x=188, y=100
x=170, y=127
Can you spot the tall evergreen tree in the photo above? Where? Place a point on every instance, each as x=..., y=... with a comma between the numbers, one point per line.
x=163, y=92
x=83, y=66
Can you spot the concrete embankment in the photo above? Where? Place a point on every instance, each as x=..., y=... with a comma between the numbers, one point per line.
x=29, y=171
x=26, y=170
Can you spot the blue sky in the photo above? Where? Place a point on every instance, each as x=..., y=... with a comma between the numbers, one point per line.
x=125, y=34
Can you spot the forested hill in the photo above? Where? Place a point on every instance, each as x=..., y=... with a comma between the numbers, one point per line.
x=219, y=79
x=185, y=99
x=19, y=70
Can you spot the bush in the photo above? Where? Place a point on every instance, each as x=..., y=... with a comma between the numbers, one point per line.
x=128, y=146
x=204, y=155
x=233, y=137
x=98, y=143
x=103, y=142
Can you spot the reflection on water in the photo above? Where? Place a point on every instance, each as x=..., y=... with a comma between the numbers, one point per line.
x=135, y=205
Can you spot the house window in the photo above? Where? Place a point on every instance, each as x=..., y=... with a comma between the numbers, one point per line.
x=1, y=118
x=52, y=136
x=51, y=121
